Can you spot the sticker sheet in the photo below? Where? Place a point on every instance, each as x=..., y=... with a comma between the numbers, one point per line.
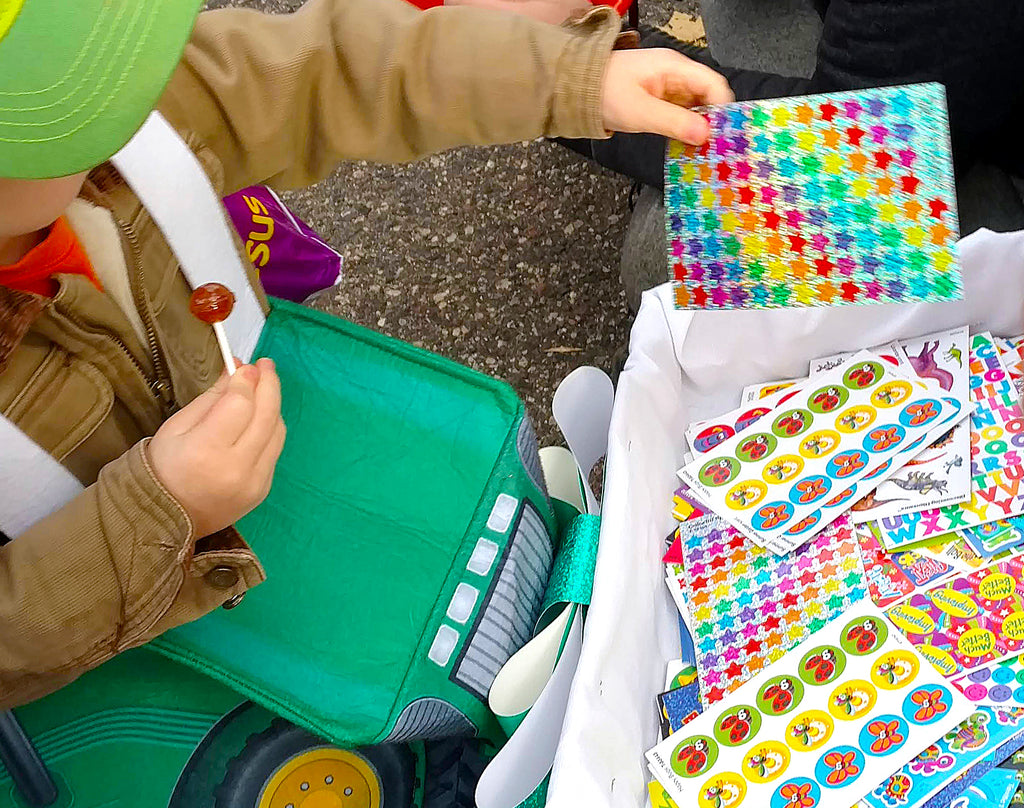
x=892, y=577
x=749, y=606
x=1011, y=351
x=703, y=436
x=890, y=352
x=990, y=539
x=952, y=548
x=834, y=717
x=969, y=620
x=941, y=474
x=936, y=775
x=780, y=483
x=756, y=392
x=997, y=459
x=678, y=707
x=820, y=200
x=997, y=684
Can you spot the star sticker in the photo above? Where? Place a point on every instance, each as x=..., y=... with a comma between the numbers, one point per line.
x=804, y=562
x=747, y=615
x=764, y=577
x=938, y=207
x=774, y=639
x=731, y=652
x=700, y=597
x=790, y=599
x=887, y=212
x=854, y=134
x=719, y=577
x=771, y=219
x=858, y=162
x=828, y=110
x=734, y=671
x=737, y=541
x=705, y=173
x=831, y=585
x=768, y=195
x=743, y=169
x=755, y=664
x=705, y=629
x=728, y=637
x=702, y=614
x=726, y=620
x=831, y=138
x=909, y=183
x=823, y=266
x=767, y=608
x=771, y=623
x=717, y=562
x=883, y=185
x=726, y=197
x=797, y=244
x=940, y=233
x=738, y=555
x=724, y=171
x=850, y=291
x=750, y=629
x=786, y=585
x=912, y=209
x=774, y=244
x=882, y=159
x=816, y=625
x=715, y=694
x=796, y=631
x=852, y=579
x=745, y=599
x=807, y=578
x=804, y=114
x=752, y=647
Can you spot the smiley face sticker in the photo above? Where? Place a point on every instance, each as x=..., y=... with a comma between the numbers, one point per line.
x=782, y=469
x=756, y=447
x=809, y=731
x=891, y=393
x=894, y=670
x=822, y=665
x=792, y=423
x=819, y=443
x=718, y=472
x=856, y=419
x=694, y=755
x=724, y=790
x=737, y=725
x=779, y=695
x=863, y=375
x=766, y=761
x=850, y=700
x=745, y=494
x=827, y=399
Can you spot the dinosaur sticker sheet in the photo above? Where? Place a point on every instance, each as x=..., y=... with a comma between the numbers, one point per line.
x=893, y=577
x=937, y=775
x=967, y=621
x=838, y=714
x=780, y=483
x=941, y=474
x=997, y=457
x=819, y=200
x=748, y=606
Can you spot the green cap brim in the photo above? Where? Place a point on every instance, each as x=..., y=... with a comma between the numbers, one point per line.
x=77, y=79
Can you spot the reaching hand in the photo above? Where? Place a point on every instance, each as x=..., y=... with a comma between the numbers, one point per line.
x=217, y=455
x=648, y=90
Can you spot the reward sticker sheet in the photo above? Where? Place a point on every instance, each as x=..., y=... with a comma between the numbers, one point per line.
x=820, y=200
x=834, y=717
x=935, y=777
x=1010, y=351
x=891, y=577
x=703, y=436
x=967, y=621
x=749, y=606
x=890, y=352
x=780, y=483
x=997, y=684
x=992, y=538
x=940, y=474
x=997, y=460
x=756, y=392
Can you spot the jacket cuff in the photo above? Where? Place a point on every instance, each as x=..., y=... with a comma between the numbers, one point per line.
x=577, y=99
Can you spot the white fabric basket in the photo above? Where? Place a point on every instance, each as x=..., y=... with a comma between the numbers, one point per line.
x=684, y=366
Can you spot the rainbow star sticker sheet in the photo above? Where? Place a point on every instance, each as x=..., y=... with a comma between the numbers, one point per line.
x=819, y=200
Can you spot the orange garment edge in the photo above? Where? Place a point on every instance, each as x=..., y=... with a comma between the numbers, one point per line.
x=60, y=253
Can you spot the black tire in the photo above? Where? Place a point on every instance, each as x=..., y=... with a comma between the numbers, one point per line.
x=453, y=767
x=265, y=753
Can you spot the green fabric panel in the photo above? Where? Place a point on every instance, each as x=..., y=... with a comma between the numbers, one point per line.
x=572, y=579
x=389, y=451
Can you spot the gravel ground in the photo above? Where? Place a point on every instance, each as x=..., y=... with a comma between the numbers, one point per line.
x=505, y=259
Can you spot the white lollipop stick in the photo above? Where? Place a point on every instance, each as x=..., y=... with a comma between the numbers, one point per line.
x=225, y=349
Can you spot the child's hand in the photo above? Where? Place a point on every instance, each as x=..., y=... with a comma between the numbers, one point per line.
x=646, y=90
x=216, y=456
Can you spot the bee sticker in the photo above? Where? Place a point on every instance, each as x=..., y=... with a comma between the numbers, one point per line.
x=779, y=695
x=819, y=444
x=863, y=375
x=894, y=669
x=822, y=665
x=725, y=790
x=920, y=413
x=756, y=447
x=718, y=472
x=766, y=761
x=891, y=393
x=792, y=423
x=746, y=494
x=738, y=725
x=827, y=399
x=856, y=419
x=782, y=469
x=861, y=637
x=852, y=699
x=694, y=755
x=809, y=731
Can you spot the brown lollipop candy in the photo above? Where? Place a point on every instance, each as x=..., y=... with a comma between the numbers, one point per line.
x=212, y=303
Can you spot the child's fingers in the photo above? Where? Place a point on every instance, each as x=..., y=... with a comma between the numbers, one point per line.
x=267, y=462
x=226, y=421
x=266, y=411
x=193, y=412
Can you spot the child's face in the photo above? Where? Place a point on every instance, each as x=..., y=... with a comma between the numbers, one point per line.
x=30, y=205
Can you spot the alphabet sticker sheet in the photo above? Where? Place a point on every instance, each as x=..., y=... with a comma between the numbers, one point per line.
x=835, y=716
x=781, y=483
x=997, y=457
x=819, y=200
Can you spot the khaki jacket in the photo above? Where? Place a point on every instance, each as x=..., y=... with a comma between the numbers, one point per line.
x=89, y=375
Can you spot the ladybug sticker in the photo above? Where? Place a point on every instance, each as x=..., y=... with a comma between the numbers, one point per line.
x=856, y=419
x=891, y=393
x=694, y=755
x=827, y=399
x=737, y=725
x=779, y=695
x=756, y=447
x=863, y=636
x=709, y=437
x=718, y=472
x=792, y=423
x=822, y=665
x=782, y=469
x=862, y=375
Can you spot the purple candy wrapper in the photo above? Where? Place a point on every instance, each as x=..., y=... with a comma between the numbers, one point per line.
x=292, y=260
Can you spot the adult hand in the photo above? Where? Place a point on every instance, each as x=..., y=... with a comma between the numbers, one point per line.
x=217, y=455
x=648, y=90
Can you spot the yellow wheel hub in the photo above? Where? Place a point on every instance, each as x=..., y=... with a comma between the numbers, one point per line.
x=325, y=777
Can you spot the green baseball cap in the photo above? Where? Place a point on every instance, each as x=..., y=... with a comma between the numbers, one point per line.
x=78, y=77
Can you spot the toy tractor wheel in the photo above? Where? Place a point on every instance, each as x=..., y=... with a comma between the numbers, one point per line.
x=287, y=767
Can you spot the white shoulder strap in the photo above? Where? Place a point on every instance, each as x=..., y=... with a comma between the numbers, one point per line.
x=165, y=174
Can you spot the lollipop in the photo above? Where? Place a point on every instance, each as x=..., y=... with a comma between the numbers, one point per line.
x=211, y=303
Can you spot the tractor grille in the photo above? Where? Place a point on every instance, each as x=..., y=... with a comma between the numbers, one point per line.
x=529, y=456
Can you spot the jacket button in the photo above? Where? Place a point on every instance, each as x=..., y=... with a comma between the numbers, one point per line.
x=222, y=577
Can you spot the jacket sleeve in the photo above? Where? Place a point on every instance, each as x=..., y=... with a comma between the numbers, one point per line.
x=110, y=570
x=281, y=99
